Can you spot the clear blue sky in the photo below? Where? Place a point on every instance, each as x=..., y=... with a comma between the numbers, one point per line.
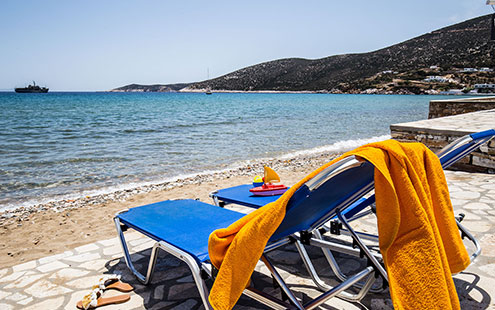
x=99, y=45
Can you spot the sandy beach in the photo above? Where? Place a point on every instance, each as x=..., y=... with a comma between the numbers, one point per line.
x=38, y=231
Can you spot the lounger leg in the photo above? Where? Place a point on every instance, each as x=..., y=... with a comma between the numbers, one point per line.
x=281, y=282
x=183, y=256
x=335, y=267
x=363, y=247
x=193, y=266
x=127, y=256
x=323, y=286
x=475, y=241
x=367, y=272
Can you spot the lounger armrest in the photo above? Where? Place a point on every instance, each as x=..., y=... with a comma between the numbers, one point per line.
x=483, y=134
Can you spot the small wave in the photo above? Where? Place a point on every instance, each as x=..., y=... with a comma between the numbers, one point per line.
x=139, y=130
x=338, y=147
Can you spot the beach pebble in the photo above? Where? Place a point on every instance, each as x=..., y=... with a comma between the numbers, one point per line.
x=251, y=168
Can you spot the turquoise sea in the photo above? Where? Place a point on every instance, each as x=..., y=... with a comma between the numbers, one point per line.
x=66, y=145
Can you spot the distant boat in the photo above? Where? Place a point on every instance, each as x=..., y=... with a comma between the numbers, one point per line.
x=208, y=91
x=31, y=89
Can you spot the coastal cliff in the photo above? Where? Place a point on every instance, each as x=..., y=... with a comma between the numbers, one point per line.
x=401, y=68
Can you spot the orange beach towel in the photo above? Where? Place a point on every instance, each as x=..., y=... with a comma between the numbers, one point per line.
x=419, y=239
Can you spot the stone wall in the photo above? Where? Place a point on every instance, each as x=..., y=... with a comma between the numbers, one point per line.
x=482, y=160
x=437, y=133
x=441, y=108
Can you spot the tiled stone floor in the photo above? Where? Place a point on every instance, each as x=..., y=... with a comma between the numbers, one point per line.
x=460, y=124
x=59, y=281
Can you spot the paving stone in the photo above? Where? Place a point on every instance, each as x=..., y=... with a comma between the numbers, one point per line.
x=173, y=273
x=25, y=266
x=112, y=250
x=186, y=279
x=158, y=293
x=135, y=257
x=144, y=246
x=16, y=297
x=51, y=266
x=382, y=304
x=489, y=186
x=187, y=305
x=477, y=206
x=488, y=245
x=52, y=303
x=459, y=202
x=182, y=291
x=74, y=298
x=44, y=288
x=87, y=248
x=6, y=306
x=97, y=264
x=132, y=235
x=4, y=294
x=3, y=272
x=24, y=281
x=25, y=301
x=84, y=283
x=480, y=212
x=490, y=269
x=108, y=242
x=68, y=273
x=53, y=258
x=476, y=226
x=288, y=258
x=138, y=241
x=161, y=305
x=465, y=195
x=12, y=277
x=85, y=257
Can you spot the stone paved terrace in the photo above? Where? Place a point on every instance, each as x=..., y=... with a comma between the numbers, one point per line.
x=438, y=132
x=59, y=281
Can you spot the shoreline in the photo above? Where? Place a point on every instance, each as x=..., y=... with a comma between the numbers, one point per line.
x=123, y=192
x=32, y=233
x=226, y=91
x=255, y=168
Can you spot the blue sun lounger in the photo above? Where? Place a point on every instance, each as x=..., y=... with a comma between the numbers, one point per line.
x=182, y=228
x=448, y=155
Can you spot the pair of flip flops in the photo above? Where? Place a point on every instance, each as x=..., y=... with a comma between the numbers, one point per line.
x=95, y=298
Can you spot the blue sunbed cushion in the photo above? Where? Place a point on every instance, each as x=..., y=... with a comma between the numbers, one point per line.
x=241, y=195
x=186, y=224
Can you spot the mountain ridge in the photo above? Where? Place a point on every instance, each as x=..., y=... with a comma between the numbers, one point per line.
x=465, y=44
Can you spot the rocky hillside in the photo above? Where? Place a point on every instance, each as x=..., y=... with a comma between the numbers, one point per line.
x=465, y=44
x=151, y=88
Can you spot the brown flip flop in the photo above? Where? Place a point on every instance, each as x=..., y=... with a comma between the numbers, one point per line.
x=94, y=300
x=119, y=286
x=112, y=281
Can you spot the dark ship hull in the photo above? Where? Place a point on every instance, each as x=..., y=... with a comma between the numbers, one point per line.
x=31, y=90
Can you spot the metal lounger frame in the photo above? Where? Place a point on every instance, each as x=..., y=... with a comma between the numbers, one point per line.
x=327, y=247
x=200, y=270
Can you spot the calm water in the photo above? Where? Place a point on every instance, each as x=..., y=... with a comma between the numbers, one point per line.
x=59, y=145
